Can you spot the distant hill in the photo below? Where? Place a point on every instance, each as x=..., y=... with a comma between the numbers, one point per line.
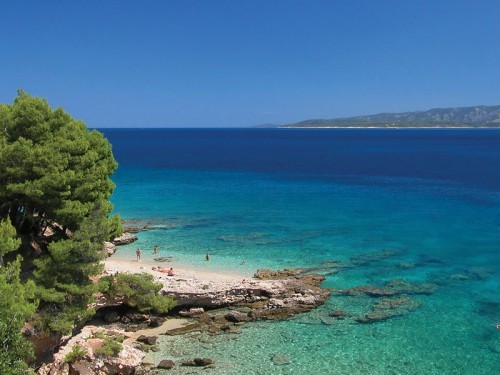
x=478, y=116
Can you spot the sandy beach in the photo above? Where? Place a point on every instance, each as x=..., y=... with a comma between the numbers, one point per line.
x=185, y=278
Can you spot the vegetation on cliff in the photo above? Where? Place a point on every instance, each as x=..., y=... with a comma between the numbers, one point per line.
x=54, y=216
x=139, y=291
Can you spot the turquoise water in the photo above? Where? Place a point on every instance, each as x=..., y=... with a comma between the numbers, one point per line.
x=443, y=226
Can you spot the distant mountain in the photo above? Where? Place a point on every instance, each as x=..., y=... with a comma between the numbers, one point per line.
x=478, y=116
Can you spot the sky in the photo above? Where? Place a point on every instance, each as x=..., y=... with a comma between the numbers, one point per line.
x=238, y=63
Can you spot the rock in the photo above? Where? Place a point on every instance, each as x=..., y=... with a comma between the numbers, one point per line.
x=237, y=317
x=166, y=364
x=339, y=314
x=389, y=308
x=111, y=317
x=141, y=370
x=265, y=274
x=137, y=317
x=124, y=239
x=185, y=329
x=150, y=340
x=154, y=322
x=192, y=312
x=370, y=290
x=125, y=361
x=366, y=259
x=109, y=248
x=459, y=277
x=201, y=362
x=280, y=359
x=392, y=288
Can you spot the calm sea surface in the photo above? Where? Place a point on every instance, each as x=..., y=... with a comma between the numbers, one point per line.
x=416, y=205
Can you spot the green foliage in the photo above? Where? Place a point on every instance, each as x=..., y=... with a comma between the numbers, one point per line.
x=8, y=240
x=16, y=305
x=115, y=227
x=110, y=347
x=53, y=170
x=65, y=272
x=52, y=167
x=14, y=349
x=77, y=353
x=140, y=291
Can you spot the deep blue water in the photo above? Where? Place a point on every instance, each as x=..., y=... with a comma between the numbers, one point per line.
x=299, y=197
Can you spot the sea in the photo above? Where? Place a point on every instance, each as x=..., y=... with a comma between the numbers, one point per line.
x=363, y=206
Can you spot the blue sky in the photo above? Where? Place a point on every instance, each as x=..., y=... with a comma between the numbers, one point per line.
x=242, y=63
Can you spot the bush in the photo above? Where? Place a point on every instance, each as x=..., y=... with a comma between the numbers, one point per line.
x=77, y=353
x=110, y=347
x=141, y=291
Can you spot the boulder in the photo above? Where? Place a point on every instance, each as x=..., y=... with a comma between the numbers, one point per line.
x=111, y=317
x=237, y=317
x=166, y=364
x=192, y=312
x=108, y=248
x=154, y=322
x=150, y=340
x=124, y=239
x=201, y=362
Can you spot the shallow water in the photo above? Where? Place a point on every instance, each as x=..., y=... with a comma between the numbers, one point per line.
x=283, y=199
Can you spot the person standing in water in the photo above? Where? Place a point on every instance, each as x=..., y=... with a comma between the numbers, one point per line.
x=138, y=253
x=155, y=250
x=207, y=256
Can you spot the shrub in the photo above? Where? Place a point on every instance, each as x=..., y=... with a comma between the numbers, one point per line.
x=141, y=291
x=77, y=353
x=110, y=347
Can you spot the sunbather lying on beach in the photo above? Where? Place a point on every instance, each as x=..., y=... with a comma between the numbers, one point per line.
x=169, y=272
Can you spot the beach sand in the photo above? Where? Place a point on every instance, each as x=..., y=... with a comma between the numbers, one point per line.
x=185, y=279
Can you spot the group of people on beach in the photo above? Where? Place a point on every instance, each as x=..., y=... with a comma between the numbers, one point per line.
x=138, y=252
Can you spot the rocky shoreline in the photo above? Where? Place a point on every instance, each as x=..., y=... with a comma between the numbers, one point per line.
x=217, y=304
x=270, y=295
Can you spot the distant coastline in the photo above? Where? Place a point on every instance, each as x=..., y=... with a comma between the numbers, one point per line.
x=386, y=127
x=461, y=117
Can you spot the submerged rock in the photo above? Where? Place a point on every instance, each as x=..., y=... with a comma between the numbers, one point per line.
x=339, y=314
x=366, y=259
x=201, y=362
x=391, y=288
x=280, y=359
x=389, y=308
x=150, y=340
x=166, y=364
x=237, y=317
